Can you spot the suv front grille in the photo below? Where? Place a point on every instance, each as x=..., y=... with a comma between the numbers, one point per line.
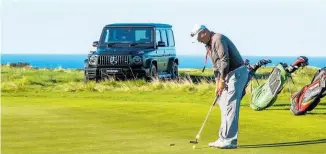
x=113, y=60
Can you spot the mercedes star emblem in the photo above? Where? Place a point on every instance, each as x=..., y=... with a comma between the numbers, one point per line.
x=113, y=60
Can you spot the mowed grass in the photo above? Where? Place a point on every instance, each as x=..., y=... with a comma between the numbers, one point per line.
x=148, y=122
x=53, y=111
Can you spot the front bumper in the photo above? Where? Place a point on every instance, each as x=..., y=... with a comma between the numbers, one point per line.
x=105, y=72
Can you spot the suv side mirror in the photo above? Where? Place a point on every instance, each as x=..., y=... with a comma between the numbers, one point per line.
x=161, y=44
x=95, y=43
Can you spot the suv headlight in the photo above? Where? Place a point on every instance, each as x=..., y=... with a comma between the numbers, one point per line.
x=137, y=60
x=93, y=59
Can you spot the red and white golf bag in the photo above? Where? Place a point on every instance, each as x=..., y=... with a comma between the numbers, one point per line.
x=309, y=96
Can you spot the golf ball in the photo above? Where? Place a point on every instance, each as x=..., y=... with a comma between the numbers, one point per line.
x=193, y=147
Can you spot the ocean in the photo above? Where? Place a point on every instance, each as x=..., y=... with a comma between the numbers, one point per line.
x=76, y=61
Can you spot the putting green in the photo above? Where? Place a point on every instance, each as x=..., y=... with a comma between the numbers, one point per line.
x=137, y=123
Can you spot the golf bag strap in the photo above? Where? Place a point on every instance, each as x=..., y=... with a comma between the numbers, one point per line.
x=315, y=75
x=318, y=73
x=254, y=75
x=296, y=89
x=251, y=89
x=251, y=85
x=323, y=95
x=207, y=53
x=290, y=90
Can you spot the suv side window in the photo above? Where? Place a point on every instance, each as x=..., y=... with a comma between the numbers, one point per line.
x=171, y=38
x=164, y=38
x=158, y=36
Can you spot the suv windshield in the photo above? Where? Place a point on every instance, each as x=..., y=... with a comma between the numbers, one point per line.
x=134, y=35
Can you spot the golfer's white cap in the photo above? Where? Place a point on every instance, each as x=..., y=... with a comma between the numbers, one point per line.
x=195, y=31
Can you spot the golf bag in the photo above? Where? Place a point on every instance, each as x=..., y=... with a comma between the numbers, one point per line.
x=252, y=70
x=309, y=96
x=265, y=95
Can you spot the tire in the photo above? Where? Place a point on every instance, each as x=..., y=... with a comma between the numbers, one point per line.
x=174, y=71
x=153, y=75
x=86, y=78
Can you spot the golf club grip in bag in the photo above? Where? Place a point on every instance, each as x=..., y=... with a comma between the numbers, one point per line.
x=252, y=70
x=309, y=96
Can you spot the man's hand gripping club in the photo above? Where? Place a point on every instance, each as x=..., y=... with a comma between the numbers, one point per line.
x=220, y=85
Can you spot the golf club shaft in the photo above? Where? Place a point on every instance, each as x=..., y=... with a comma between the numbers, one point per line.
x=203, y=69
x=209, y=111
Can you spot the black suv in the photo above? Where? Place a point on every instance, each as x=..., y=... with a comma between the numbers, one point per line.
x=133, y=50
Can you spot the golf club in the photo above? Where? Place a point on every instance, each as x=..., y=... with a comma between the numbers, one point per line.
x=209, y=111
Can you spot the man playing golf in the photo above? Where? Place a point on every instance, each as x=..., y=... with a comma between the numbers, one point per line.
x=231, y=76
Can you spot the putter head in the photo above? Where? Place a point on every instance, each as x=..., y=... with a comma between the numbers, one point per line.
x=194, y=142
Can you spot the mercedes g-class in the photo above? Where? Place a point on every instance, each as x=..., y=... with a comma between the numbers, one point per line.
x=133, y=50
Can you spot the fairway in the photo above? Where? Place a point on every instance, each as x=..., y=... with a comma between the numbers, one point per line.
x=148, y=122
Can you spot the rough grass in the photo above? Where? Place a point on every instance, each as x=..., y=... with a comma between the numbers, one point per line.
x=67, y=80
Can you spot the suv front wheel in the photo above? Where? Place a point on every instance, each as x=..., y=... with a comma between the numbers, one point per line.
x=153, y=73
x=86, y=78
x=174, y=71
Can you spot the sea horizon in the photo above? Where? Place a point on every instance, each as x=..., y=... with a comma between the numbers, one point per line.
x=181, y=54
x=75, y=61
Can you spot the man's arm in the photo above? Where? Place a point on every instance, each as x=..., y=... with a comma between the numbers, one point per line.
x=223, y=54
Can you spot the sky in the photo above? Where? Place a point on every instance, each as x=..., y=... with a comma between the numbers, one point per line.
x=256, y=27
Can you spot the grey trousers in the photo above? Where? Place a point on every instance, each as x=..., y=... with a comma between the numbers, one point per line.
x=229, y=103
